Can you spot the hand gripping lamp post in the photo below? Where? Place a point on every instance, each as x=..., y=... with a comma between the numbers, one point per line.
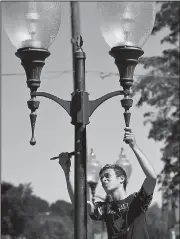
x=32, y=27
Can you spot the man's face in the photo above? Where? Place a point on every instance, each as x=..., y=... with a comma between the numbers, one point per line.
x=110, y=181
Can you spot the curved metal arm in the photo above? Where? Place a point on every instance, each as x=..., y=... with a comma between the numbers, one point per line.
x=64, y=103
x=95, y=103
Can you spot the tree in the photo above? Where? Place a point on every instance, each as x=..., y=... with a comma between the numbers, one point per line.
x=62, y=208
x=155, y=223
x=19, y=208
x=13, y=214
x=5, y=186
x=33, y=229
x=65, y=211
x=25, y=214
x=160, y=89
x=63, y=231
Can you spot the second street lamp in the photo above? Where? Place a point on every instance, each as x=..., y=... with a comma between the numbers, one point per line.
x=32, y=26
x=93, y=168
x=125, y=164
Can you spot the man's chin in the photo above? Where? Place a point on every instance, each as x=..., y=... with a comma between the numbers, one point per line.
x=108, y=190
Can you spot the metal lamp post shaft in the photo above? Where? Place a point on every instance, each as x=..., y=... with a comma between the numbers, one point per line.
x=78, y=106
x=80, y=216
x=75, y=29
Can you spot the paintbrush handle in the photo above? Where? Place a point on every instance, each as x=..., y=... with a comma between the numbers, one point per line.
x=69, y=155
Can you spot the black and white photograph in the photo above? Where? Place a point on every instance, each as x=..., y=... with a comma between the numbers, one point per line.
x=90, y=119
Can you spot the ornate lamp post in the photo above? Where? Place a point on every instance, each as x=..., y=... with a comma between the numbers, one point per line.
x=32, y=26
x=124, y=163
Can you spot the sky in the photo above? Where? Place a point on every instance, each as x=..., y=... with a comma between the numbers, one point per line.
x=23, y=163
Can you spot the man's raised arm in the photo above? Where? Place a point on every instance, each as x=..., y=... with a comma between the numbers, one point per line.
x=151, y=177
x=65, y=163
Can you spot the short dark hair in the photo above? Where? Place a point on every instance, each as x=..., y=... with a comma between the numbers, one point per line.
x=119, y=171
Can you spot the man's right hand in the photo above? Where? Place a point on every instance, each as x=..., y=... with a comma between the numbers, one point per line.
x=65, y=162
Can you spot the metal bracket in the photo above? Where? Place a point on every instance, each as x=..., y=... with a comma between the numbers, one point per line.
x=79, y=108
x=95, y=103
x=64, y=103
x=74, y=107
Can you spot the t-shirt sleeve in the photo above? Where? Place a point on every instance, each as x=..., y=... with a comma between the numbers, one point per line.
x=98, y=213
x=143, y=200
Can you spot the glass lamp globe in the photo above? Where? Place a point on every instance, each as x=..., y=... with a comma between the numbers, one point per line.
x=126, y=23
x=93, y=168
x=124, y=163
x=31, y=24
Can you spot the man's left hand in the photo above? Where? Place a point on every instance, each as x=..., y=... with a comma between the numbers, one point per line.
x=129, y=137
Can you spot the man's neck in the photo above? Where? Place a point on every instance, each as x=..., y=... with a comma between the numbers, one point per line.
x=119, y=194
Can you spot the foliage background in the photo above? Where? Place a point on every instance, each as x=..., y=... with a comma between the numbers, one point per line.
x=160, y=90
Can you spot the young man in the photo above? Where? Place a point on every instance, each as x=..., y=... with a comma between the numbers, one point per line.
x=124, y=215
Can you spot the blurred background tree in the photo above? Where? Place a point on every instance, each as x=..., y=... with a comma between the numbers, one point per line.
x=63, y=208
x=25, y=214
x=156, y=223
x=160, y=89
x=14, y=214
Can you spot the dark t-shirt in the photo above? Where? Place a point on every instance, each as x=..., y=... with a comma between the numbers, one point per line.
x=125, y=219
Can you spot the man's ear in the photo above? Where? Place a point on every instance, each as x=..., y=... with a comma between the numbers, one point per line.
x=122, y=178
